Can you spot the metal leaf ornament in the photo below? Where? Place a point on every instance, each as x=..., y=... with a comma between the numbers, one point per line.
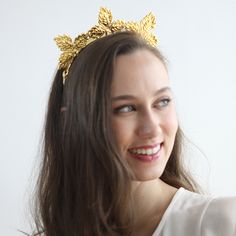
x=105, y=17
x=106, y=26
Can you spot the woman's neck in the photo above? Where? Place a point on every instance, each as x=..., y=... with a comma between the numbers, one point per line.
x=151, y=199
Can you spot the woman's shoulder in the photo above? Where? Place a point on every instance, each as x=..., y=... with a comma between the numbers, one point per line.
x=224, y=205
x=221, y=207
x=196, y=214
x=213, y=215
x=220, y=216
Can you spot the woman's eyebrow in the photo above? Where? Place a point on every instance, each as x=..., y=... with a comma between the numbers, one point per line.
x=131, y=97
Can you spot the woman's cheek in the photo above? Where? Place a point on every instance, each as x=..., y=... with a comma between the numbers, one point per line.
x=123, y=130
x=169, y=121
x=172, y=123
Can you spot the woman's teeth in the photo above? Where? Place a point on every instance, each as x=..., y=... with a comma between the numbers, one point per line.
x=148, y=151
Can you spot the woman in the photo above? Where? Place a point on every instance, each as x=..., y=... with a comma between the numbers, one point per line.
x=112, y=144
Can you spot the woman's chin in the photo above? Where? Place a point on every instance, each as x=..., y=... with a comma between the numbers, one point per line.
x=147, y=175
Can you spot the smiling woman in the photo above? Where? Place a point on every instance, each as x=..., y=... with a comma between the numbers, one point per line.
x=112, y=161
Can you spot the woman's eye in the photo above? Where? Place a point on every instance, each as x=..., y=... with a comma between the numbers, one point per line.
x=124, y=109
x=164, y=102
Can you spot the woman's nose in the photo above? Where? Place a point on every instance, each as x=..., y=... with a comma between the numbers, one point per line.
x=148, y=125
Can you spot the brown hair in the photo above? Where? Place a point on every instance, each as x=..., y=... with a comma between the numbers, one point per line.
x=84, y=186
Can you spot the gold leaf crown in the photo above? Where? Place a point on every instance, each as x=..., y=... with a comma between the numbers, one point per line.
x=106, y=26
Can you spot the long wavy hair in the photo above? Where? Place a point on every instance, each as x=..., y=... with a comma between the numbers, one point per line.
x=84, y=185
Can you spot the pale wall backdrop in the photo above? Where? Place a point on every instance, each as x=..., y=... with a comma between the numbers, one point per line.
x=197, y=37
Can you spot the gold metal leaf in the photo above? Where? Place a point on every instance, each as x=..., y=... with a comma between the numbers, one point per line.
x=105, y=16
x=64, y=42
x=66, y=58
x=80, y=41
x=151, y=39
x=117, y=25
x=132, y=26
x=148, y=22
x=98, y=31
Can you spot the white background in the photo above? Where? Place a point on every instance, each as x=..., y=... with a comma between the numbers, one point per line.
x=197, y=37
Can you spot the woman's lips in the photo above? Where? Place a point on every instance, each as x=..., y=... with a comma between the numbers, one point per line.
x=146, y=153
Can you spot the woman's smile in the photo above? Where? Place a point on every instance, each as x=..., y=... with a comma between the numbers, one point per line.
x=146, y=153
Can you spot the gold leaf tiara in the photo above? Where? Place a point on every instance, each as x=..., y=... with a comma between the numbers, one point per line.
x=106, y=26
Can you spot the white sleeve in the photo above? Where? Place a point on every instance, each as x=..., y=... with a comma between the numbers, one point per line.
x=220, y=217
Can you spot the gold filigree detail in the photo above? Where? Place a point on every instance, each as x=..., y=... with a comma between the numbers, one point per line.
x=106, y=26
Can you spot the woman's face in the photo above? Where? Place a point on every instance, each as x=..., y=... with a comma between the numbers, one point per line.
x=144, y=120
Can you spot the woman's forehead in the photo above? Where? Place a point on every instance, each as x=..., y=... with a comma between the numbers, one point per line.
x=139, y=69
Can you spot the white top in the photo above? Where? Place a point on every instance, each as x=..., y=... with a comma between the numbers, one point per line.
x=192, y=214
